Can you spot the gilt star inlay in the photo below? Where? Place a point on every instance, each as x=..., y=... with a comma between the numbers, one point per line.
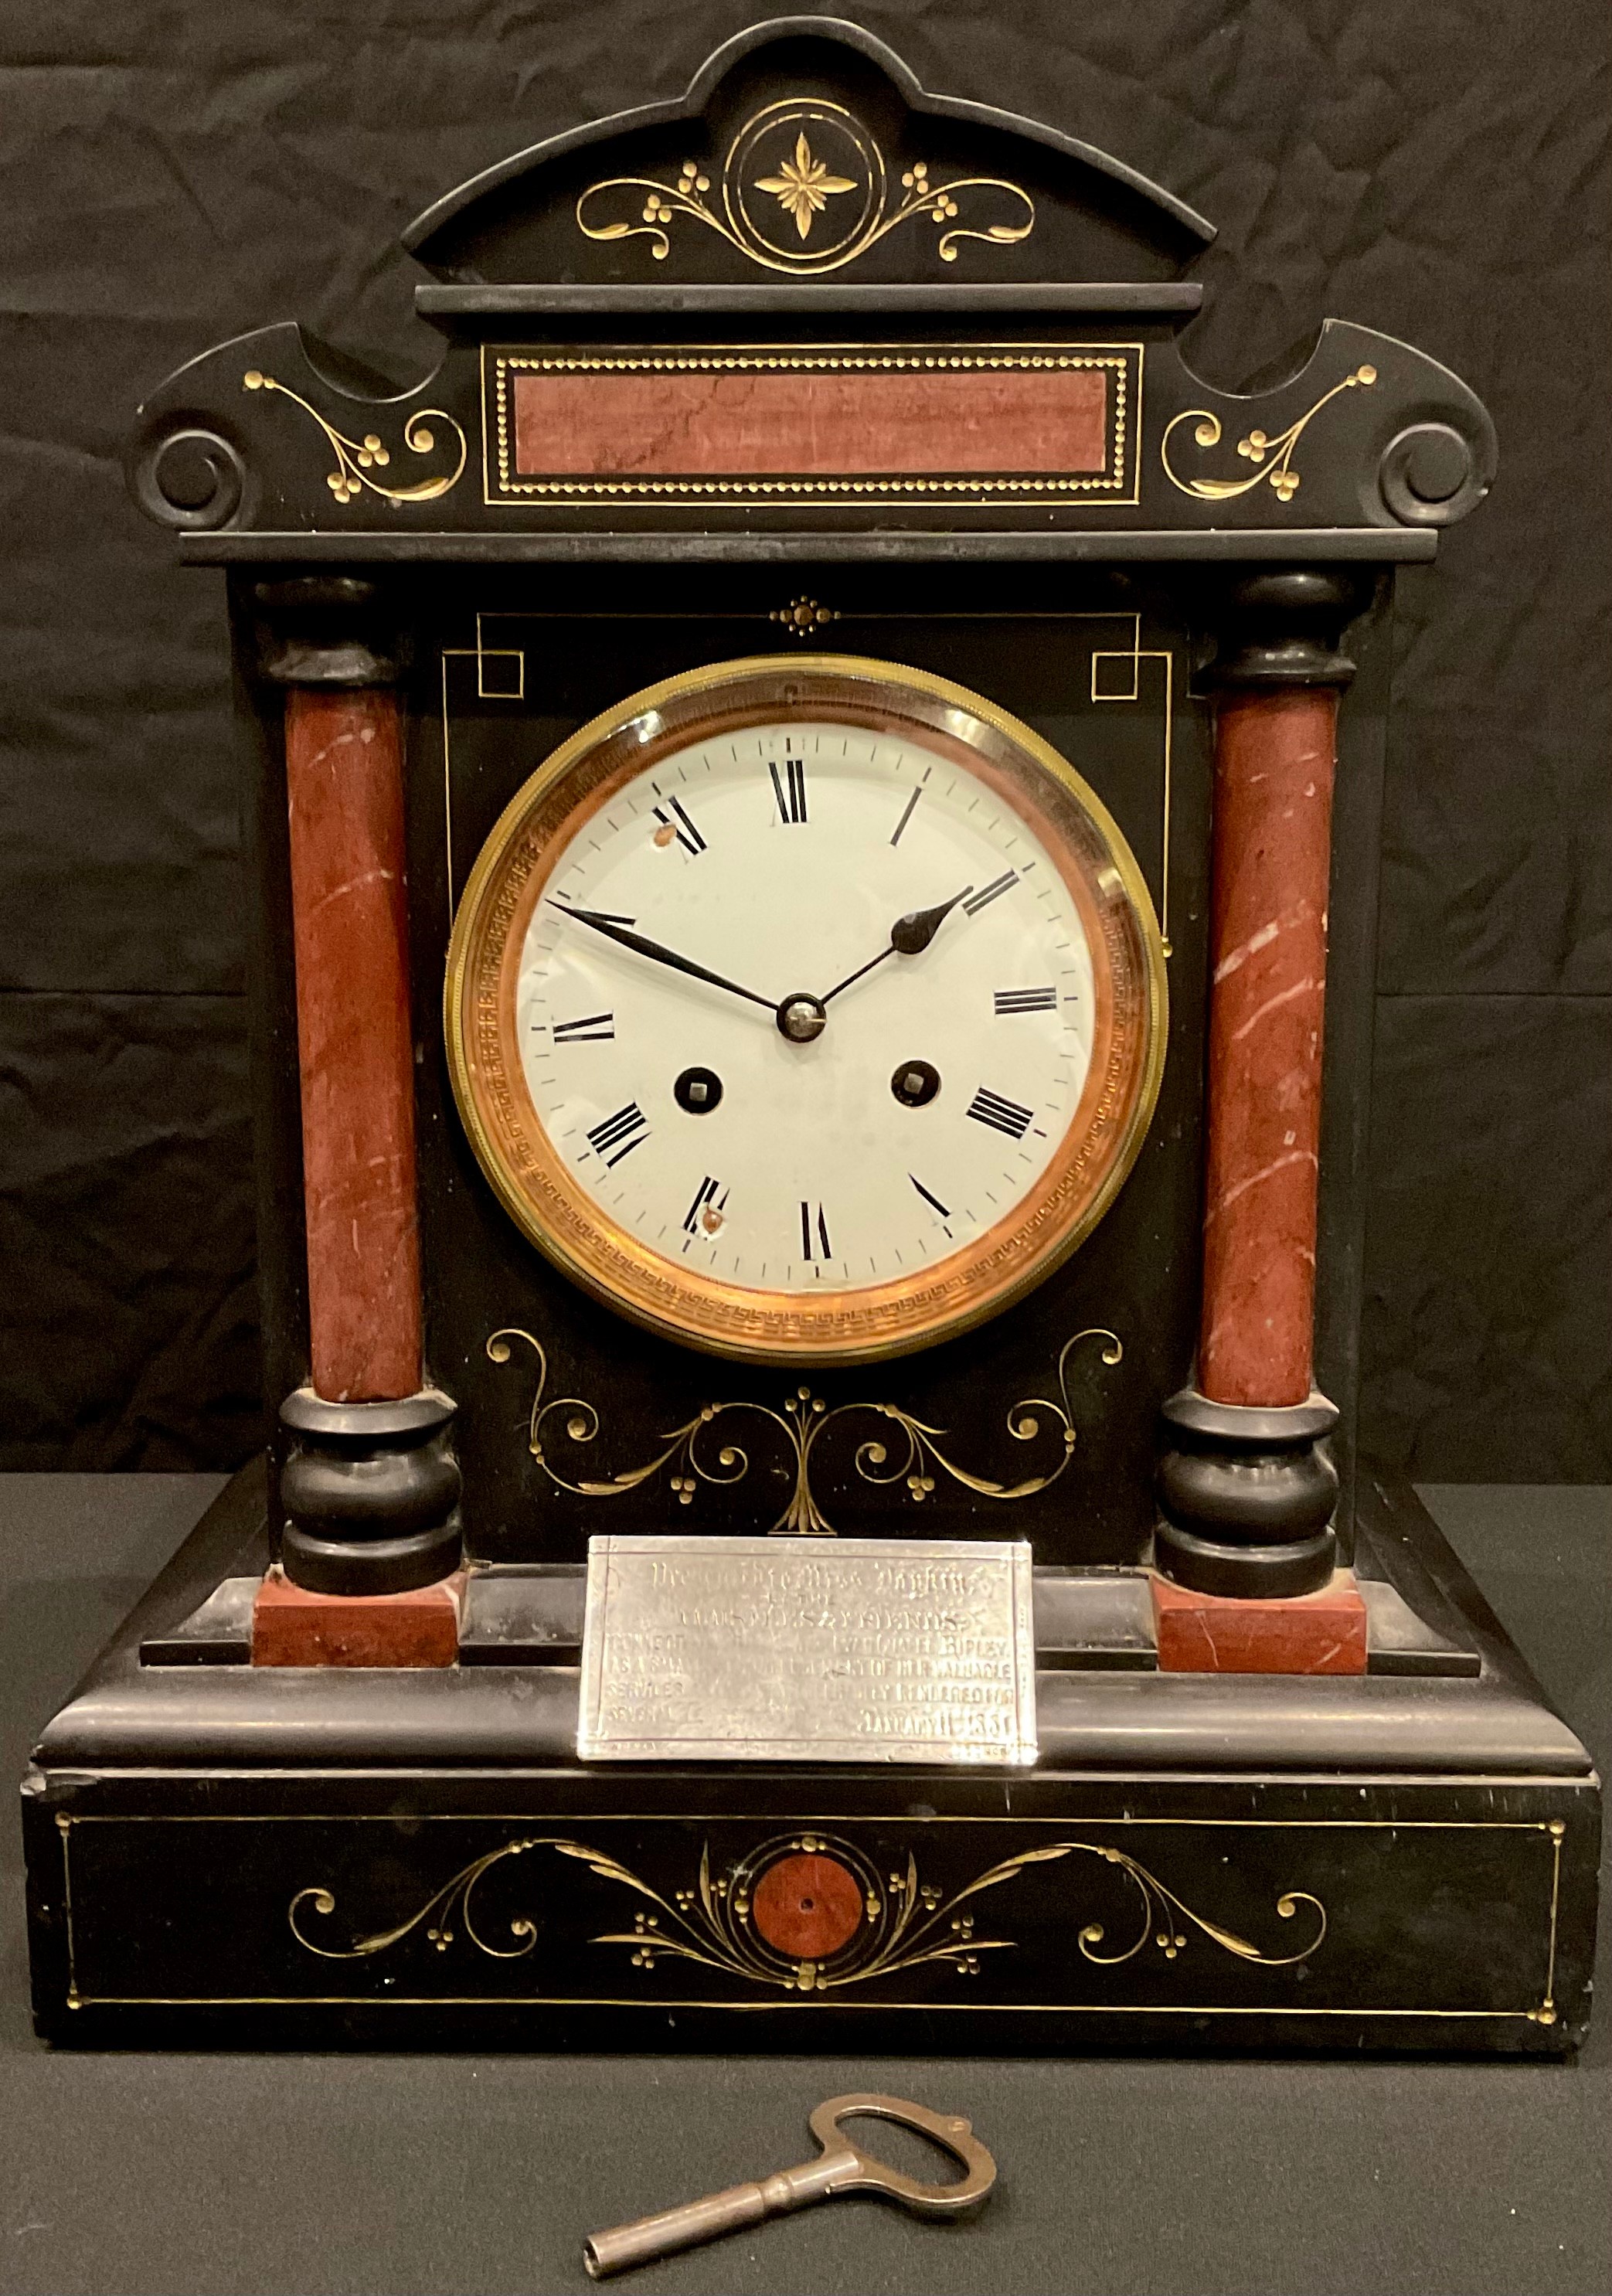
x=802, y=185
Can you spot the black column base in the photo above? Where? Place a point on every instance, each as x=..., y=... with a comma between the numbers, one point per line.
x=370, y=1494
x=1246, y=1497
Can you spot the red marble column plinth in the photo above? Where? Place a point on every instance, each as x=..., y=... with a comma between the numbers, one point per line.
x=1273, y=767
x=344, y=781
x=1324, y=1632
x=293, y=1628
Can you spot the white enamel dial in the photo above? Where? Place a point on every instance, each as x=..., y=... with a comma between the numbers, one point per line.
x=806, y=1008
x=780, y=856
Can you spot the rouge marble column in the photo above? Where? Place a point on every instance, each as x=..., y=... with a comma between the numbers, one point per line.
x=371, y=1485
x=1274, y=763
x=349, y=908
x=1246, y=1493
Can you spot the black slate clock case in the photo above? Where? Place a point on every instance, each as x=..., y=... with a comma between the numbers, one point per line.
x=1001, y=636
x=1403, y=1860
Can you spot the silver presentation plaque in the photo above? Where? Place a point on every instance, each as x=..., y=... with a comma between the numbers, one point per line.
x=785, y=1649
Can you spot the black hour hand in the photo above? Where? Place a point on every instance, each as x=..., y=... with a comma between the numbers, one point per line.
x=909, y=937
x=918, y=927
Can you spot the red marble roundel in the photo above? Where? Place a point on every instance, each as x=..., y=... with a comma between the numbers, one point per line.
x=808, y=1905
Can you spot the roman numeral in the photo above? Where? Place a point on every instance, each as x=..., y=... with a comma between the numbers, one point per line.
x=681, y=827
x=809, y=1243
x=1025, y=1000
x=791, y=792
x=987, y=893
x=591, y=1030
x=1003, y=1115
x=705, y=1213
x=627, y=1129
x=928, y=1195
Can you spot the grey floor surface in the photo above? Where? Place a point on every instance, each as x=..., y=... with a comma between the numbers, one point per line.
x=396, y=2176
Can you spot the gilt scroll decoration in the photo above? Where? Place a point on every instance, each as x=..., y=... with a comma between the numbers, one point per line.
x=905, y=1922
x=1271, y=458
x=909, y=1457
x=358, y=459
x=804, y=188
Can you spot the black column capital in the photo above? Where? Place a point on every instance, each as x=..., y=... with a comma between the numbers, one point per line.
x=325, y=630
x=1284, y=625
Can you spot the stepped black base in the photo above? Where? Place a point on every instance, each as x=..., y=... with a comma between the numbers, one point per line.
x=267, y=1857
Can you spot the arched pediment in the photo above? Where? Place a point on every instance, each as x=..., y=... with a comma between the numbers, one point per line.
x=804, y=149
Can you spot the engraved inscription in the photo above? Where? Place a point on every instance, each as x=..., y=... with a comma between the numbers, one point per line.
x=735, y=1649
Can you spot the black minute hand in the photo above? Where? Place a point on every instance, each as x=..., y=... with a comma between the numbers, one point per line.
x=909, y=935
x=660, y=954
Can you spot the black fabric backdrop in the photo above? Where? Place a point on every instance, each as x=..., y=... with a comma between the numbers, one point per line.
x=172, y=176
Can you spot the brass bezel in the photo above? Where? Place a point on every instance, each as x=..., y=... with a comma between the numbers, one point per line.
x=694, y=1322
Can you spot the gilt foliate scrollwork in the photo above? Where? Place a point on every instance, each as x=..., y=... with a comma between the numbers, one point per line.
x=905, y=1922
x=804, y=188
x=908, y=1457
x=1163, y=1913
x=455, y=1901
x=358, y=459
x=909, y=1922
x=1273, y=458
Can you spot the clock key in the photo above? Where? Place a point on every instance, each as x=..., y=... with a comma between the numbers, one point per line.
x=839, y=2167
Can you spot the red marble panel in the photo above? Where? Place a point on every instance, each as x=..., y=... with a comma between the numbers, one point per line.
x=807, y=1905
x=1324, y=1632
x=291, y=1627
x=800, y=423
x=344, y=782
x=1274, y=765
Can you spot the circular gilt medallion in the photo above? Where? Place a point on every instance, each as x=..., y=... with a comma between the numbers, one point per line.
x=803, y=184
x=806, y=1008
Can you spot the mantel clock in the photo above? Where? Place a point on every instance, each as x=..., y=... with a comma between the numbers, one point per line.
x=811, y=803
